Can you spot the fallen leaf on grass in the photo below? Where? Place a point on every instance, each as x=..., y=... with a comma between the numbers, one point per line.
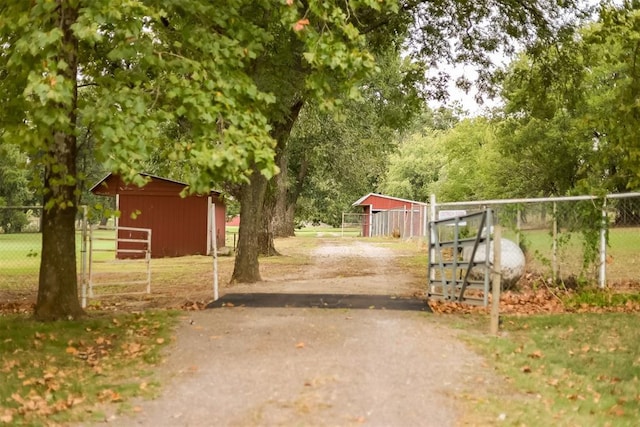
x=109, y=395
x=536, y=355
x=6, y=417
x=616, y=410
x=526, y=369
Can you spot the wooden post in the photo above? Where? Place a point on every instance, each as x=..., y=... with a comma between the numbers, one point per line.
x=497, y=280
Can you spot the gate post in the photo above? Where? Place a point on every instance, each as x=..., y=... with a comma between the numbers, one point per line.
x=496, y=280
x=602, y=276
x=83, y=255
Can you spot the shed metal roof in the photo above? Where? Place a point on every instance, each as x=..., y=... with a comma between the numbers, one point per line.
x=97, y=187
x=362, y=199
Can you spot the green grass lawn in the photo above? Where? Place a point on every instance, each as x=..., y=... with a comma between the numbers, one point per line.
x=560, y=370
x=20, y=257
x=623, y=253
x=61, y=372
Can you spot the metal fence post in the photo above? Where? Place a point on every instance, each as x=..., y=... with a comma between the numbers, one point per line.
x=554, y=254
x=496, y=280
x=518, y=225
x=602, y=276
x=83, y=254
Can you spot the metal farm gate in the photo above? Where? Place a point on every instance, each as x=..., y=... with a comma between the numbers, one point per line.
x=455, y=273
x=120, y=277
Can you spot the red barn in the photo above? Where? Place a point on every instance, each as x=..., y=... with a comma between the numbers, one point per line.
x=180, y=225
x=407, y=216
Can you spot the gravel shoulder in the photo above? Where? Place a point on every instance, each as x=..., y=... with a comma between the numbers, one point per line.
x=313, y=364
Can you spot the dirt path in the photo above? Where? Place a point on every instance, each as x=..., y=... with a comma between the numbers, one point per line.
x=294, y=363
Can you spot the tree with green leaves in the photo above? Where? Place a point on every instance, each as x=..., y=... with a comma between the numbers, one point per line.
x=442, y=31
x=571, y=113
x=324, y=58
x=332, y=158
x=217, y=84
x=128, y=71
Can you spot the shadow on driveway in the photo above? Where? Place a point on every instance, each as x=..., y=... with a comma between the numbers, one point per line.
x=369, y=302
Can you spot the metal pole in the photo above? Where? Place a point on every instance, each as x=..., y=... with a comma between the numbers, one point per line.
x=214, y=251
x=518, y=225
x=487, y=259
x=411, y=222
x=148, y=259
x=83, y=255
x=602, y=276
x=432, y=237
x=496, y=282
x=554, y=260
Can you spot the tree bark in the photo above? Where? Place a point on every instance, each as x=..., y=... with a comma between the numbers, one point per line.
x=246, y=268
x=282, y=219
x=285, y=211
x=279, y=186
x=255, y=235
x=58, y=280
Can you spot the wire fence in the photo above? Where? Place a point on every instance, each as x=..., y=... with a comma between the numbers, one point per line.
x=399, y=223
x=21, y=249
x=573, y=239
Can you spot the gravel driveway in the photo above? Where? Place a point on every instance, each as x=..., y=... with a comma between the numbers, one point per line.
x=319, y=350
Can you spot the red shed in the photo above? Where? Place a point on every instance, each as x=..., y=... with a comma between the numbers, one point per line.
x=374, y=203
x=179, y=225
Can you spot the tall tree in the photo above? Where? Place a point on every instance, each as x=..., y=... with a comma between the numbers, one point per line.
x=334, y=157
x=324, y=58
x=449, y=31
x=571, y=110
x=127, y=71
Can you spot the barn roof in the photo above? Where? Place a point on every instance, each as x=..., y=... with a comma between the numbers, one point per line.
x=102, y=187
x=361, y=200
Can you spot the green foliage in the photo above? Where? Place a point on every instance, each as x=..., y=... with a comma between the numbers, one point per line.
x=456, y=164
x=336, y=158
x=573, y=107
x=14, y=188
x=415, y=167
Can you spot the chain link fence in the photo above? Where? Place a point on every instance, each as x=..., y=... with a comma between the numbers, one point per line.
x=399, y=223
x=573, y=239
x=20, y=247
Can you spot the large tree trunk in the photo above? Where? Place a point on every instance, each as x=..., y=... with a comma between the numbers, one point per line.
x=58, y=280
x=280, y=133
x=246, y=267
x=255, y=236
x=285, y=209
x=282, y=219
